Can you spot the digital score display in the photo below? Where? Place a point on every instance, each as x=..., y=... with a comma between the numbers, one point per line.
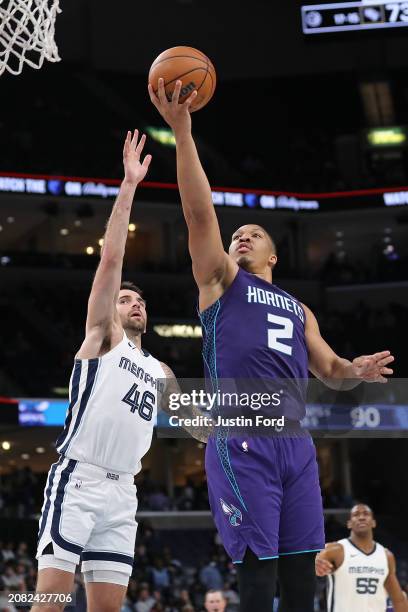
x=348, y=16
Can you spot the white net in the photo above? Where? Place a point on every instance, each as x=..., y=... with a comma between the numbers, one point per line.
x=27, y=29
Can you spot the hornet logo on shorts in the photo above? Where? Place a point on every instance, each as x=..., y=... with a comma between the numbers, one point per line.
x=235, y=515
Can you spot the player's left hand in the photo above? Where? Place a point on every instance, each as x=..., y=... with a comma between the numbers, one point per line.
x=132, y=150
x=373, y=368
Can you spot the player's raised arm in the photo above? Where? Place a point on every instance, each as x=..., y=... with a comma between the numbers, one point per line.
x=339, y=373
x=211, y=264
x=392, y=586
x=102, y=323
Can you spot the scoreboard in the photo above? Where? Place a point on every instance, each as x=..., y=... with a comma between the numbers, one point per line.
x=348, y=16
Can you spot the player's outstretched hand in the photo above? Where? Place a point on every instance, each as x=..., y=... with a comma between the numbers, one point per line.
x=175, y=114
x=132, y=150
x=323, y=567
x=373, y=368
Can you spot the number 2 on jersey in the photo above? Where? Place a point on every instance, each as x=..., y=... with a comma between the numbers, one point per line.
x=284, y=331
x=145, y=408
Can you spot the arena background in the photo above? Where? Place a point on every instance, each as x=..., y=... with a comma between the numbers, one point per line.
x=306, y=135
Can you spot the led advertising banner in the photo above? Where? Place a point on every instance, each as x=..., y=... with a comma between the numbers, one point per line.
x=272, y=201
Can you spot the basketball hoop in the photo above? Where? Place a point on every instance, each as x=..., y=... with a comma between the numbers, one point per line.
x=27, y=29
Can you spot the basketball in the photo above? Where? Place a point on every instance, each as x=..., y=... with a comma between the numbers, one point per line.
x=191, y=67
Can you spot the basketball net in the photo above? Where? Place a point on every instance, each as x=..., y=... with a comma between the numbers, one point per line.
x=27, y=29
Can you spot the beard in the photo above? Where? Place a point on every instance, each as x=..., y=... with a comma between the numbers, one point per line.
x=244, y=262
x=135, y=326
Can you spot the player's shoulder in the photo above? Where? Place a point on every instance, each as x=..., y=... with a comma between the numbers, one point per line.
x=100, y=342
x=333, y=548
x=379, y=546
x=133, y=347
x=167, y=370
x=337, y=547
x=333, y=552
x=308, y=312
x=334, y=544
x=151, y=358
x=286, y=293
x=391, y=561
x=388, y=553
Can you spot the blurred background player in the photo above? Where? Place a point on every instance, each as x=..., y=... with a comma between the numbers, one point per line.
x=215, y=601
x=90, y=499
x=361, y=572
x=258, y=516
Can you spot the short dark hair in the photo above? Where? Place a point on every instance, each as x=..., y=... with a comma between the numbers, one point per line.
x=132, y=287
x=360, y=503
x=273, y=243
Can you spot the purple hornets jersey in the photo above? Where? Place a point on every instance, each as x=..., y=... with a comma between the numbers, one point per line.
x=264, y=491
x=256, y=332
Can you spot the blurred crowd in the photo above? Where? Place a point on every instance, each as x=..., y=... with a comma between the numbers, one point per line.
x=298, y=147
x=382, y=266
x=33, y=311
x=18, y=572
x=154, y=497
x=160, y=581
x=163, y=582
x=368, y=329
x=379, y=265
x=20, y=493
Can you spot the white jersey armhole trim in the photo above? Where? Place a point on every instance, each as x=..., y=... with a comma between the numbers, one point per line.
x=109, y=354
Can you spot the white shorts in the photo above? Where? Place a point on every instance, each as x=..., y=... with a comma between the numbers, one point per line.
x=89, y=514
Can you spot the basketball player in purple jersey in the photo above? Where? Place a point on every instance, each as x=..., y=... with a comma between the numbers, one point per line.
x=264, y=491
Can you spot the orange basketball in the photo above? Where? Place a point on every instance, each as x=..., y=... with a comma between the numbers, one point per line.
x=191, y=67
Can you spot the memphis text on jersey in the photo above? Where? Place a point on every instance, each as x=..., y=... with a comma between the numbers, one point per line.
x=366, y=569
x=139, y=372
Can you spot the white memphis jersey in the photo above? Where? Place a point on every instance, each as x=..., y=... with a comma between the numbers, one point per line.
x=112, y=409
x=358, y=584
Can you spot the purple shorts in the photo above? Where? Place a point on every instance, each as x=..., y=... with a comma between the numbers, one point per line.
x=265, y=494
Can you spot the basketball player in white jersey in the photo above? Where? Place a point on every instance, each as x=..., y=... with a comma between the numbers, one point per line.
x=90, y=498
x=361, y=572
